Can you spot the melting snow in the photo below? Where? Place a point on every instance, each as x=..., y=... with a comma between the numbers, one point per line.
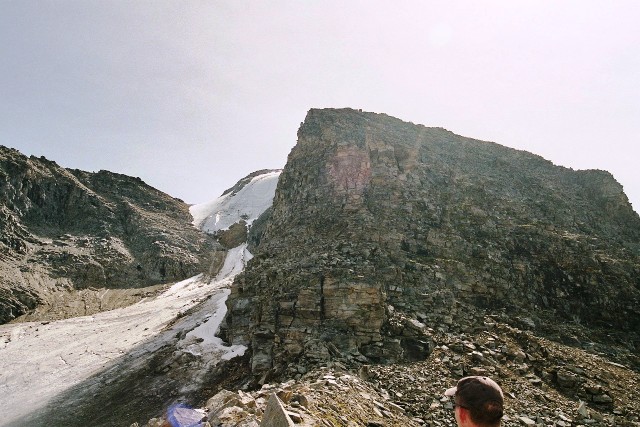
x=39, y=360
x=201, y=340
x=248, y=203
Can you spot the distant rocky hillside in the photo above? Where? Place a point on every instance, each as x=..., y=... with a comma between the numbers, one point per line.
x=66, y=236
x=382, y=231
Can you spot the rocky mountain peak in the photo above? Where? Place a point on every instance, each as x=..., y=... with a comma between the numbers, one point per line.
x=382, y=229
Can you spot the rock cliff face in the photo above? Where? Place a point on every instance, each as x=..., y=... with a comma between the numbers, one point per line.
x=63, y=230
x=382, y=229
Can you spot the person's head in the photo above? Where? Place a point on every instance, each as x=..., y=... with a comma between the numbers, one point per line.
x=478, y=402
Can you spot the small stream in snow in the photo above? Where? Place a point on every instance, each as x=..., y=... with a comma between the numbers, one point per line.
x=39, y=360
x=202, y=340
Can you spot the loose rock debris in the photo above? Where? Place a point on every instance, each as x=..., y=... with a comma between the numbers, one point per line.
x=545, y=383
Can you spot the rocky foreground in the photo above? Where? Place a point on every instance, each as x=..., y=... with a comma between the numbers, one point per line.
x=546, y=383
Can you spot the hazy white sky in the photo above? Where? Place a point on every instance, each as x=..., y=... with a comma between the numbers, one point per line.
x=192, y=95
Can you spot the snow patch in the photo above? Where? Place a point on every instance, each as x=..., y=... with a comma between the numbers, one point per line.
x=247, y=204
x=234, y=263
x=202, y=340
x=40, y=360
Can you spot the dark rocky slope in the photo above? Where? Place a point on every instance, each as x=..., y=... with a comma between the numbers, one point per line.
x=545, y=384
x=67, y=235
x=381, y=229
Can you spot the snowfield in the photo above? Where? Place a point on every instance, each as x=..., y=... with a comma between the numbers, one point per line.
x=248, y=203
x=39, y=360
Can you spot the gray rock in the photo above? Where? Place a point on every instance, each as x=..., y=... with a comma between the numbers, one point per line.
x=223, y=399
x=275, y=414
x=583, y=412
x=526, y=421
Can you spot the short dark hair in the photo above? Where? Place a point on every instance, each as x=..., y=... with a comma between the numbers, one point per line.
x=482, y=397
x=488, y=414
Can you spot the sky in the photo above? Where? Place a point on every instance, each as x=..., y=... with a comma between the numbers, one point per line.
x=192, y=95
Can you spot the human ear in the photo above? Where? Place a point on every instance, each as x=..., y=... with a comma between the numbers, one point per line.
x=463, y=416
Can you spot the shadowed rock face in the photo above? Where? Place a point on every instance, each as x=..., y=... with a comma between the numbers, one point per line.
x=376, y=221
x=62, y=230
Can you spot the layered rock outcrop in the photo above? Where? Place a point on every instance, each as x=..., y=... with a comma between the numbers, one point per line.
x=382, y=228
x=62, y=230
